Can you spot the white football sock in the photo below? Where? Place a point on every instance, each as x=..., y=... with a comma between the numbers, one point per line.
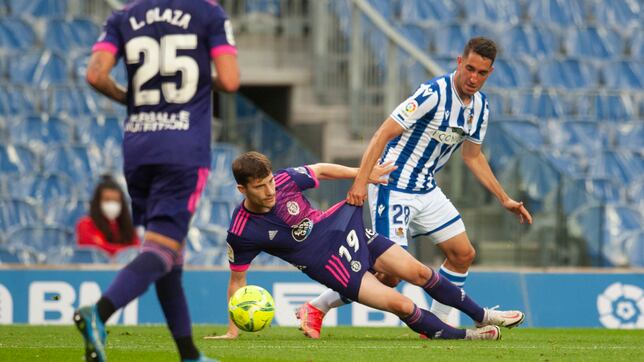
x=327, y=300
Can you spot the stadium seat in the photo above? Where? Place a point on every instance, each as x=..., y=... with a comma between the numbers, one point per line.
x=206, y=257
x=16, y=213
x=221, y=183
x=623, y=75
x=417, y=35
x=622, y=166
x=619, y=14
x=602, y=227
x=76, y=162
x=72, y=101
x=510, y=74
x=16, y=35
x=271, y=7
x=449, y=39
x=525, y=132
x=558, y=12
x=200, y=238
x=41, y=240
x=39, y=132
x=636, y=194
x=40, y=68
x=629, y=136
x=537, y=179
x=64, y=212
x=567, y=163
x=16, y=100
x=569, y=73
x=386, y=8
x=423, y=12
x=17, y=159
x=9, y=256
x=637, y=44
x=582, y=138
x=125, y=256
x=540, y=103
x=265, y=259
x=215, y=214
x=38, y=8
x=85, y=255
x=506, y=12
x=633, y=244
x=80, y=70
x=529, y=41
x=578, y=192
x=612, y=107
x=44, y=188
x=69, y=36
x=593, y=42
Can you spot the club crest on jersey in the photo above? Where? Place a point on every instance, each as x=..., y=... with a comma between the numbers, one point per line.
x=410, y=108
x=293, y=208
x=302, y=230
x=356, y=266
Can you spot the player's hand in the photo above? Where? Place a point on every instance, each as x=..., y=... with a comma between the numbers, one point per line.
x=357, y=194
x=380, y=171
x=518, y=209
x=228, y=335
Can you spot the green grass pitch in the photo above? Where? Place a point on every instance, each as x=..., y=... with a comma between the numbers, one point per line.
x=153, y=343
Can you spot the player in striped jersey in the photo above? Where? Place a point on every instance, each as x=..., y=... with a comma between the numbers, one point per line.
x=421, y=134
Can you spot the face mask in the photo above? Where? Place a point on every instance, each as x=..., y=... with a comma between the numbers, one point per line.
x=111, y=209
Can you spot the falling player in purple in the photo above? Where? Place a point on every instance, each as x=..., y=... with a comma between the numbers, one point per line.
x=334, y=248
x=168, y=47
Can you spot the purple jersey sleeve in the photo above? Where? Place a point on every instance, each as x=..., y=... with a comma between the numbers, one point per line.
x=240, y=253
x=303, y=177
x=110, y=39
x=220, y=34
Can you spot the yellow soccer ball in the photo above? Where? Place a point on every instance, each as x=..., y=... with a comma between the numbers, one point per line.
x=251, y=308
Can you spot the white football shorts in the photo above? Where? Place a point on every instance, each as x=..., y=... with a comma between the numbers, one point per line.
x=396, y=215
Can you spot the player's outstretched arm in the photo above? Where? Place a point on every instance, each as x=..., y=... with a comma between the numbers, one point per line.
x=227, y=78
x=477, y=163
x=237, y=280
x=332, y=171
x=387, y=131
x=98, y=76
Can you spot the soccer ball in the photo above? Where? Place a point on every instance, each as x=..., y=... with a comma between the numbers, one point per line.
x=251, y=308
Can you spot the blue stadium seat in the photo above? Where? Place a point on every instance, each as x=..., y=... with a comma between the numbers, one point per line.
x=42, y=240
x=8, y=256
x=424, y=12
x=578, y=192
x=16, y=100
x=72, y=101
x=498, y=103
x=494, y=11
x=125, y=256
x=80, y=69
x=540, y=103
x=417, y=35
x=38, y=8
x=583, y=138
x=206, y=257
x=593, y=42
x=44, y=188
x=64, y=212
x=537, y=179
x=569, y=73
x=637, y=44
x=530, y=41
x=510, y=74
x=265, y=259
x=623, y=75
x=611, y=107
x=41, y=131
x=213, y=214
x=271, y=7
x=633, y=245
x=602, y=227
x=41, y=69
x=221, y=183
x=618, y=14
x=525, y=132
x=449, y=40
x=629, y=136
x=16, y=34
x=85, y=255
x=567, y=163
x=636, y=194
x=386, y=8
x=499, y=149
x=17, y=159
x=67, y=36
x=202, y=238
x=622, y=166
x=77, y=162
x=557, y=12
x=16, y=213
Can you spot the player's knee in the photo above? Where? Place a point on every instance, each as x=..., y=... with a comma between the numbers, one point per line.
x=401, y=306
x=388, y=280
x=463, y=258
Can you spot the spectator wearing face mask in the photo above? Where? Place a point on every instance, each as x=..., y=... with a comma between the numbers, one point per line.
x=109, y=224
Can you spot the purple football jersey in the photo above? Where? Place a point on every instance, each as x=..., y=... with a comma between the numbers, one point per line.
x=167, y=47
x=331, y=247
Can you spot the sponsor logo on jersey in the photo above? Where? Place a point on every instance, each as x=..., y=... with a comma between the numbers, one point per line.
x=410, y=108
x=302, y=230
x=450, y=136
x=381, y=208
x=271, y=234
x=293, y=208
x=301, y=170
x=231, y=253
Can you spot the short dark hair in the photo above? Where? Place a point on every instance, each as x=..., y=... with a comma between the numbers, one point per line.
x=251, y=165
x=482, y=46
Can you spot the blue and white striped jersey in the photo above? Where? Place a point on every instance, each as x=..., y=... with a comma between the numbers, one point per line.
x=436, y=123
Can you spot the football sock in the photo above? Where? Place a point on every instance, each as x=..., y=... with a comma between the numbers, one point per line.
x=440, y=289
x=105, y=309
x=136, y=277
x=186, y=347
x=173, y=302
x=422, y=321
x=329, y=299
x=441, y=310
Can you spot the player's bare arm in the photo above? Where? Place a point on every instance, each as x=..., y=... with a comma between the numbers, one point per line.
x=387, y=131
x=98, y=76
x=237, y=280
x=477, y=163
x=332, y=171
x=227, y=77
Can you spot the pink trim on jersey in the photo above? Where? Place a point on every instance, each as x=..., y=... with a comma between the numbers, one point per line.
x=333, y=208
x=282, y=180
x=280, y=177
x=314, y=176
x=239, y=268
x=335, y=275
x=239, y=219
x=342, y=267
x=222, y=49
x=105, y=46
x=243, y=224
x=196, y=195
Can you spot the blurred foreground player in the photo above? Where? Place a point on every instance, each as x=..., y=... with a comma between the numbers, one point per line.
x=167, y=46
x=334, y=248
